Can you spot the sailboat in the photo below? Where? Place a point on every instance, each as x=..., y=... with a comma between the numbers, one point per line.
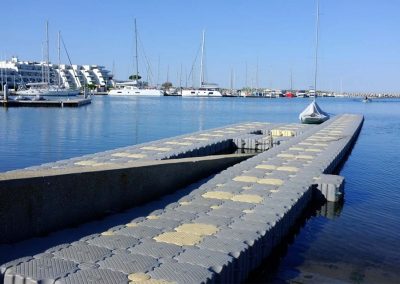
x=205, y=90
x=44, y=88
x=134, y=87
x=313, y=114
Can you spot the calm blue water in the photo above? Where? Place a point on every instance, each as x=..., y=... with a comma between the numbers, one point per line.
x=360, y=245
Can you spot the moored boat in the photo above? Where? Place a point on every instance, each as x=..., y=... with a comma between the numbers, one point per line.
x=210, y=90
x=130, y=88
x=44, y=89
x=313, y=114
x=205, y=90
x=135, y=87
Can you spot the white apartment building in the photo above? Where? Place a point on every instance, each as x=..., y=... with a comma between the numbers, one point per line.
x=16, y=72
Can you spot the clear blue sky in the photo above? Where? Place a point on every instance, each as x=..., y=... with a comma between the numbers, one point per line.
x=359, y=39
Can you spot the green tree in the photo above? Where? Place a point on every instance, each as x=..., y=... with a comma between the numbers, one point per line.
x=91, y=86
x=133, y=77
x=166, y=85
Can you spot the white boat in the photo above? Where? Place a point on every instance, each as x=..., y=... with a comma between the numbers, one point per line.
x=312, y=94
x=130, y=88
x=135, y=87
x=205, y=90
x=313, y=114
x=45, y=88
x=301, y=94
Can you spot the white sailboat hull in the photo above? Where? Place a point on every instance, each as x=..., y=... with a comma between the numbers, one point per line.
x=201, y=93
x=48, y=92
x=136, y=92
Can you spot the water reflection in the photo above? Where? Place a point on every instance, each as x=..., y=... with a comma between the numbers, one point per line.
x=330, y=210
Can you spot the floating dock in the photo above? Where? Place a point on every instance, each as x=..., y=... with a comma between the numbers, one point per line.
x=217, y=232
x=76, y=102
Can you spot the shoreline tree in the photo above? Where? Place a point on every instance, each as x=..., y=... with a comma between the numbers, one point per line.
x=133, y=77
x=166, y=85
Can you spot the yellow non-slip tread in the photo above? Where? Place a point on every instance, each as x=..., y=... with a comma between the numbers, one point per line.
x=305, y=143
x=179, y=143
x=86, y=163
x=152, y=281
x=137, y=156
x=153, y=217
x=285, y=155
x=313, y=150
x=211, y=135
x=245, y=179
x=270, y=181
x=196, y=138
x=287, y=169
x=128, y=155
x=218, y=195
x=251, y=179
x=198, y=229
x=152, y=148
x=139, y=276
x=266, y=167
x=92, y=163
x=248, y=198
x=179, y=238
x=304, y=157
x=120, y=154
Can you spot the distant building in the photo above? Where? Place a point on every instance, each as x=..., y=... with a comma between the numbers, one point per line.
x=16, y=72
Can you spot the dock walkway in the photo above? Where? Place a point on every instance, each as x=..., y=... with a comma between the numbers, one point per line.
x=75, y=102
x=219, y=231
x=198, y=144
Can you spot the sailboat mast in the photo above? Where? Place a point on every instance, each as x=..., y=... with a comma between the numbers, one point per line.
x=257, y=74
x=158, y=72
x=291, y=80
x=246, y=77
x=59, y=59
x=201, y=61
x=231, y=79
x=136, y=54
x=341, y=86
x=47, y=53
x=168, y=73
x=316, y=50
x=43, y=65
x=180, y=77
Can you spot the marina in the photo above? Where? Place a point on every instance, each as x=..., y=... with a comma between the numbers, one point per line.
x=218, y=231
x=204, y=142
x=147, y=128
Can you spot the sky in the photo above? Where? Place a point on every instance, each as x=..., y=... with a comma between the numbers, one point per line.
x=255, y=43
